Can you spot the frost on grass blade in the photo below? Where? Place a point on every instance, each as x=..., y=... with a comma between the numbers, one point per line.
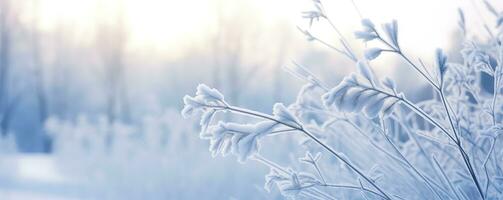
x=240, y=139
x=248, y=146
x=372, y=53
x=391, y=30
x=308, y=105
x=365, y=36
x=441, y=60
x=389, y=84
x=271, y=179
x=477, y=57
x=368, y=25
x=191, y=104
x=462, y=21
x=306, y=33
x=292, y=184
x=205, y=122
x=283, y=114
x=491, y=8
x=304, y=74
x=368, y=34
x=359, y=92
x=364, y=69
x=210, y=94
x=309, y=158
x=494, y=131
x=459, y=76
x=206, y=98
x=500, y=20
x=244, y=145
x=312, y=16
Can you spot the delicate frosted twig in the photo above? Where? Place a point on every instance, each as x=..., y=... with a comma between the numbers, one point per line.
x=310, y=135
x=273, y=165
x=439, y=167
x=485, y=164
x=409, y=164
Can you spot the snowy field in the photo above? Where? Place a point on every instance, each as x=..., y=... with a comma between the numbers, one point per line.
x=154, y=160
x=34, y=177
x=43, y=177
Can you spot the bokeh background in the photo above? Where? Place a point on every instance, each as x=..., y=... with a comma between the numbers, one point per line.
x=90, y=90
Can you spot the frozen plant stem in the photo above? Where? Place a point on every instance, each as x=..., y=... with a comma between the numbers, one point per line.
x=495, y=92
x=401, y=159
x=401, y=54
x=430, y=81
x=383, y=133
x=460, y=147
x=333, y=48
x=438, y=88
x=332, y=24
x=311, y=136
x=273, y=165
x=485, y=164
x=422, y=150
x=446, y=178
x=266, y=162
x=454, y=138
x=457, y=140
x=315, y=164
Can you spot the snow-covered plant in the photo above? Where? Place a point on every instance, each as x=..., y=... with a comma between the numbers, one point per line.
x=372, y=141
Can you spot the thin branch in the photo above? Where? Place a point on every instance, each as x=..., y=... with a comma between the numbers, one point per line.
x=314, y=138
x=446, y=178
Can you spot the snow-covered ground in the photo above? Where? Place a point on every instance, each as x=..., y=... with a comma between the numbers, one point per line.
x=33, y=177
x=161, y=158
x=47, y=177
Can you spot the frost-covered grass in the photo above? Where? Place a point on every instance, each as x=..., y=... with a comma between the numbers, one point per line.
x=363, y=138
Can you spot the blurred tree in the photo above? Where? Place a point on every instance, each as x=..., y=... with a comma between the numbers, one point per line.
x=111, y=43
x=4, y=62
x=242, y=48
x=60, y=72
x=8, y=99
x=40, y=76
x=278, y=73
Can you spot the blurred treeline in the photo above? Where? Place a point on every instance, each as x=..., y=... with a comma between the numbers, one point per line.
x=101, y=64
x=55, y=67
